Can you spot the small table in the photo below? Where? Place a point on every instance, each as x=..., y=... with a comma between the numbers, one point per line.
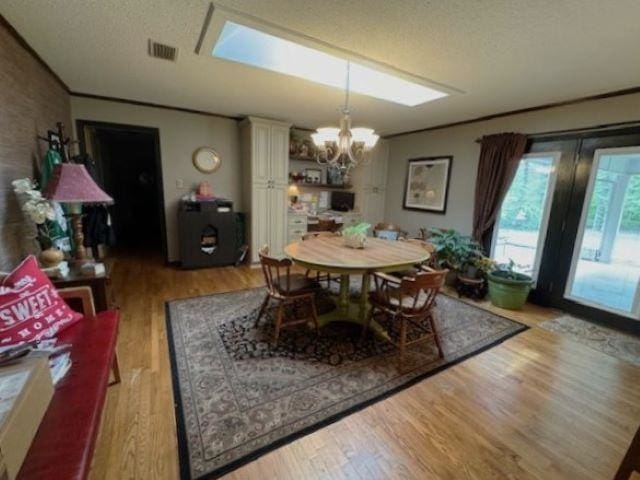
x=329, y=254
x=99, y=286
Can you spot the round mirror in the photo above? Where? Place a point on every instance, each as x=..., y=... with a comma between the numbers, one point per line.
x=206, y=160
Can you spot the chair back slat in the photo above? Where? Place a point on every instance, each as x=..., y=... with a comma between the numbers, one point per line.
x=423, y=289
x=310, y=235
x=275, y=270
x=389, y=231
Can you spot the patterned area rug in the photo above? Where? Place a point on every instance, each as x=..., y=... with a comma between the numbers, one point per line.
x=612, y=342
x=238, y=397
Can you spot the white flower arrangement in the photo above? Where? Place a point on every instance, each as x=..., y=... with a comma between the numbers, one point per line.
x=35, y=206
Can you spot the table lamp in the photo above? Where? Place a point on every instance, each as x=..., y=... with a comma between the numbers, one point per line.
x=71, y=184
x=293, y=191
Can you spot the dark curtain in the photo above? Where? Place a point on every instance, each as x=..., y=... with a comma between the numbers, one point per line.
x=499, y=158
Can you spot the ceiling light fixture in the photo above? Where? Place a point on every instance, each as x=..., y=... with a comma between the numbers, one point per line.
x=344, y=147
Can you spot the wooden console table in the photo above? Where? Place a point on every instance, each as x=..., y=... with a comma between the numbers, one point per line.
x=99, y=284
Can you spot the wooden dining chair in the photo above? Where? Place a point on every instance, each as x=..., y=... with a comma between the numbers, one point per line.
x=388, y=231
x=407, y=304
x=428, y=265
x=631, y=461
x=286, y=289
x=320, y=276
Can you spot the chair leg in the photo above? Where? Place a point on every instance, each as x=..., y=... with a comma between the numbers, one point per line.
x=263, y=307
x=115, y=369
x=278, y=324
x=402, y=343
x=435, y=336
x=314, y=314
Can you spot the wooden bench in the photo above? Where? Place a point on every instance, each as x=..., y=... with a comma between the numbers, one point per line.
x=63, y=446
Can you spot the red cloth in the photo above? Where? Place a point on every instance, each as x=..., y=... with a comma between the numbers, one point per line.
x=63, y=447
x=30, y=307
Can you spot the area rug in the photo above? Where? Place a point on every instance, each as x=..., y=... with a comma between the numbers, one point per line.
x=612, y=342
x=237, y=397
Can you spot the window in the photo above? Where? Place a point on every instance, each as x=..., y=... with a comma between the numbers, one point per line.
x=259, y=49
x=522, y=223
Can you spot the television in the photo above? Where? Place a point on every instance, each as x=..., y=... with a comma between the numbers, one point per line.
x=342, y=201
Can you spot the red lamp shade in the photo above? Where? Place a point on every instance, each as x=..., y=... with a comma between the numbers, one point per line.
x=71, y=183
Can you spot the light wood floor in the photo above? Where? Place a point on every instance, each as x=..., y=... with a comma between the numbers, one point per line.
x=537, y=406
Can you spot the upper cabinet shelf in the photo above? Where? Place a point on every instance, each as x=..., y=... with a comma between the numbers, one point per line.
x=327, y=186
x=303, y=159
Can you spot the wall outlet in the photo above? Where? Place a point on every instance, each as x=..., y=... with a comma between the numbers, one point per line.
x=179, y=183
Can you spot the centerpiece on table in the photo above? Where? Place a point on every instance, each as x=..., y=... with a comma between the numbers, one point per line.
x=356, y=235
x=42, y=212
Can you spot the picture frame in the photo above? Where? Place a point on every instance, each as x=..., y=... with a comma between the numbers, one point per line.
x=426, y=187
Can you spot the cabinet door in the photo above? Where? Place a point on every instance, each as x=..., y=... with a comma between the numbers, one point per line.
x=278, y=220
x=279, y=159
x=260, y=219
x=261, y=152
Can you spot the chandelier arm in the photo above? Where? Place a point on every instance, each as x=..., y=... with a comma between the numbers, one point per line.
x=321, y=158
x=335, y=157
x=352, y=157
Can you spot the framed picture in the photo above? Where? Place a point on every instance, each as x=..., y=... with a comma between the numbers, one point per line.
x=427, y=184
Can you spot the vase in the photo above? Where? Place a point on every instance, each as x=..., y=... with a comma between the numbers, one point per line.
x=51, y=257
x=355, y=241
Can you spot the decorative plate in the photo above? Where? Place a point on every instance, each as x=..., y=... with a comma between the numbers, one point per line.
x=206, y=160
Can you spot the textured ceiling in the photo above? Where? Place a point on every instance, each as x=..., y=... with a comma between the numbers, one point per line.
x=504, y=54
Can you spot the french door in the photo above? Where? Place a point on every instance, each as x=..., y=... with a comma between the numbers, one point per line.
x=605, y=266
x=587, y=259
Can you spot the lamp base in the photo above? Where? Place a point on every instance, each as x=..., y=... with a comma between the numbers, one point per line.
x=79, y=252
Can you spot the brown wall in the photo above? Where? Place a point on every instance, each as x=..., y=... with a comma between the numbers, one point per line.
x=32, y=100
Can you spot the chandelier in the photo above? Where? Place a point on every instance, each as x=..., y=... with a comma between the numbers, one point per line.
x=345, y=147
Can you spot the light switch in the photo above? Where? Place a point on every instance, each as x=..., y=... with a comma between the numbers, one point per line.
x=179, y=183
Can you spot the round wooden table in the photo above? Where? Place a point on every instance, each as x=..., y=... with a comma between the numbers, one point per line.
x=329, y=254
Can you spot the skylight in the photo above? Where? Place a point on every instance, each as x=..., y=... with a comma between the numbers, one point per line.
x=246, y=45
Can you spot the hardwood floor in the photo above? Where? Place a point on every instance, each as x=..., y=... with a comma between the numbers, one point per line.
x=538, y=406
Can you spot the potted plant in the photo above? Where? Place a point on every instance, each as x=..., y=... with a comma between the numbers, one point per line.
x=454, y=251
x=41, y=212
x=356, y=235
x=508, y=288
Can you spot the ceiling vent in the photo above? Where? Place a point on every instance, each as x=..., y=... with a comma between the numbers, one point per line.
x=160, y=50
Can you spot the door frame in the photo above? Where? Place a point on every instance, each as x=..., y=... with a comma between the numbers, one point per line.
x=155, y=132
x=574, y=171
x=580, y=235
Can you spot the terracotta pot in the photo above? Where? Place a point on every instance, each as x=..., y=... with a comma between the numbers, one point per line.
x=51, y=257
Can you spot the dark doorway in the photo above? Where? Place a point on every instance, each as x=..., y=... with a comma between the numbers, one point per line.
x=128, y=167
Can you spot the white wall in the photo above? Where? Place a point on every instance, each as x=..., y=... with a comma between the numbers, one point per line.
x=180, y=134
x=460, y=142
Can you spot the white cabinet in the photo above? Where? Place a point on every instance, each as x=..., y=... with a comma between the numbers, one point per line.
x=371, y=181
x=297, y=227
x=265, y=150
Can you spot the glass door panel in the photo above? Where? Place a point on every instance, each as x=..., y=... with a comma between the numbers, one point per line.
x=605, y=270
x=522, y=223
